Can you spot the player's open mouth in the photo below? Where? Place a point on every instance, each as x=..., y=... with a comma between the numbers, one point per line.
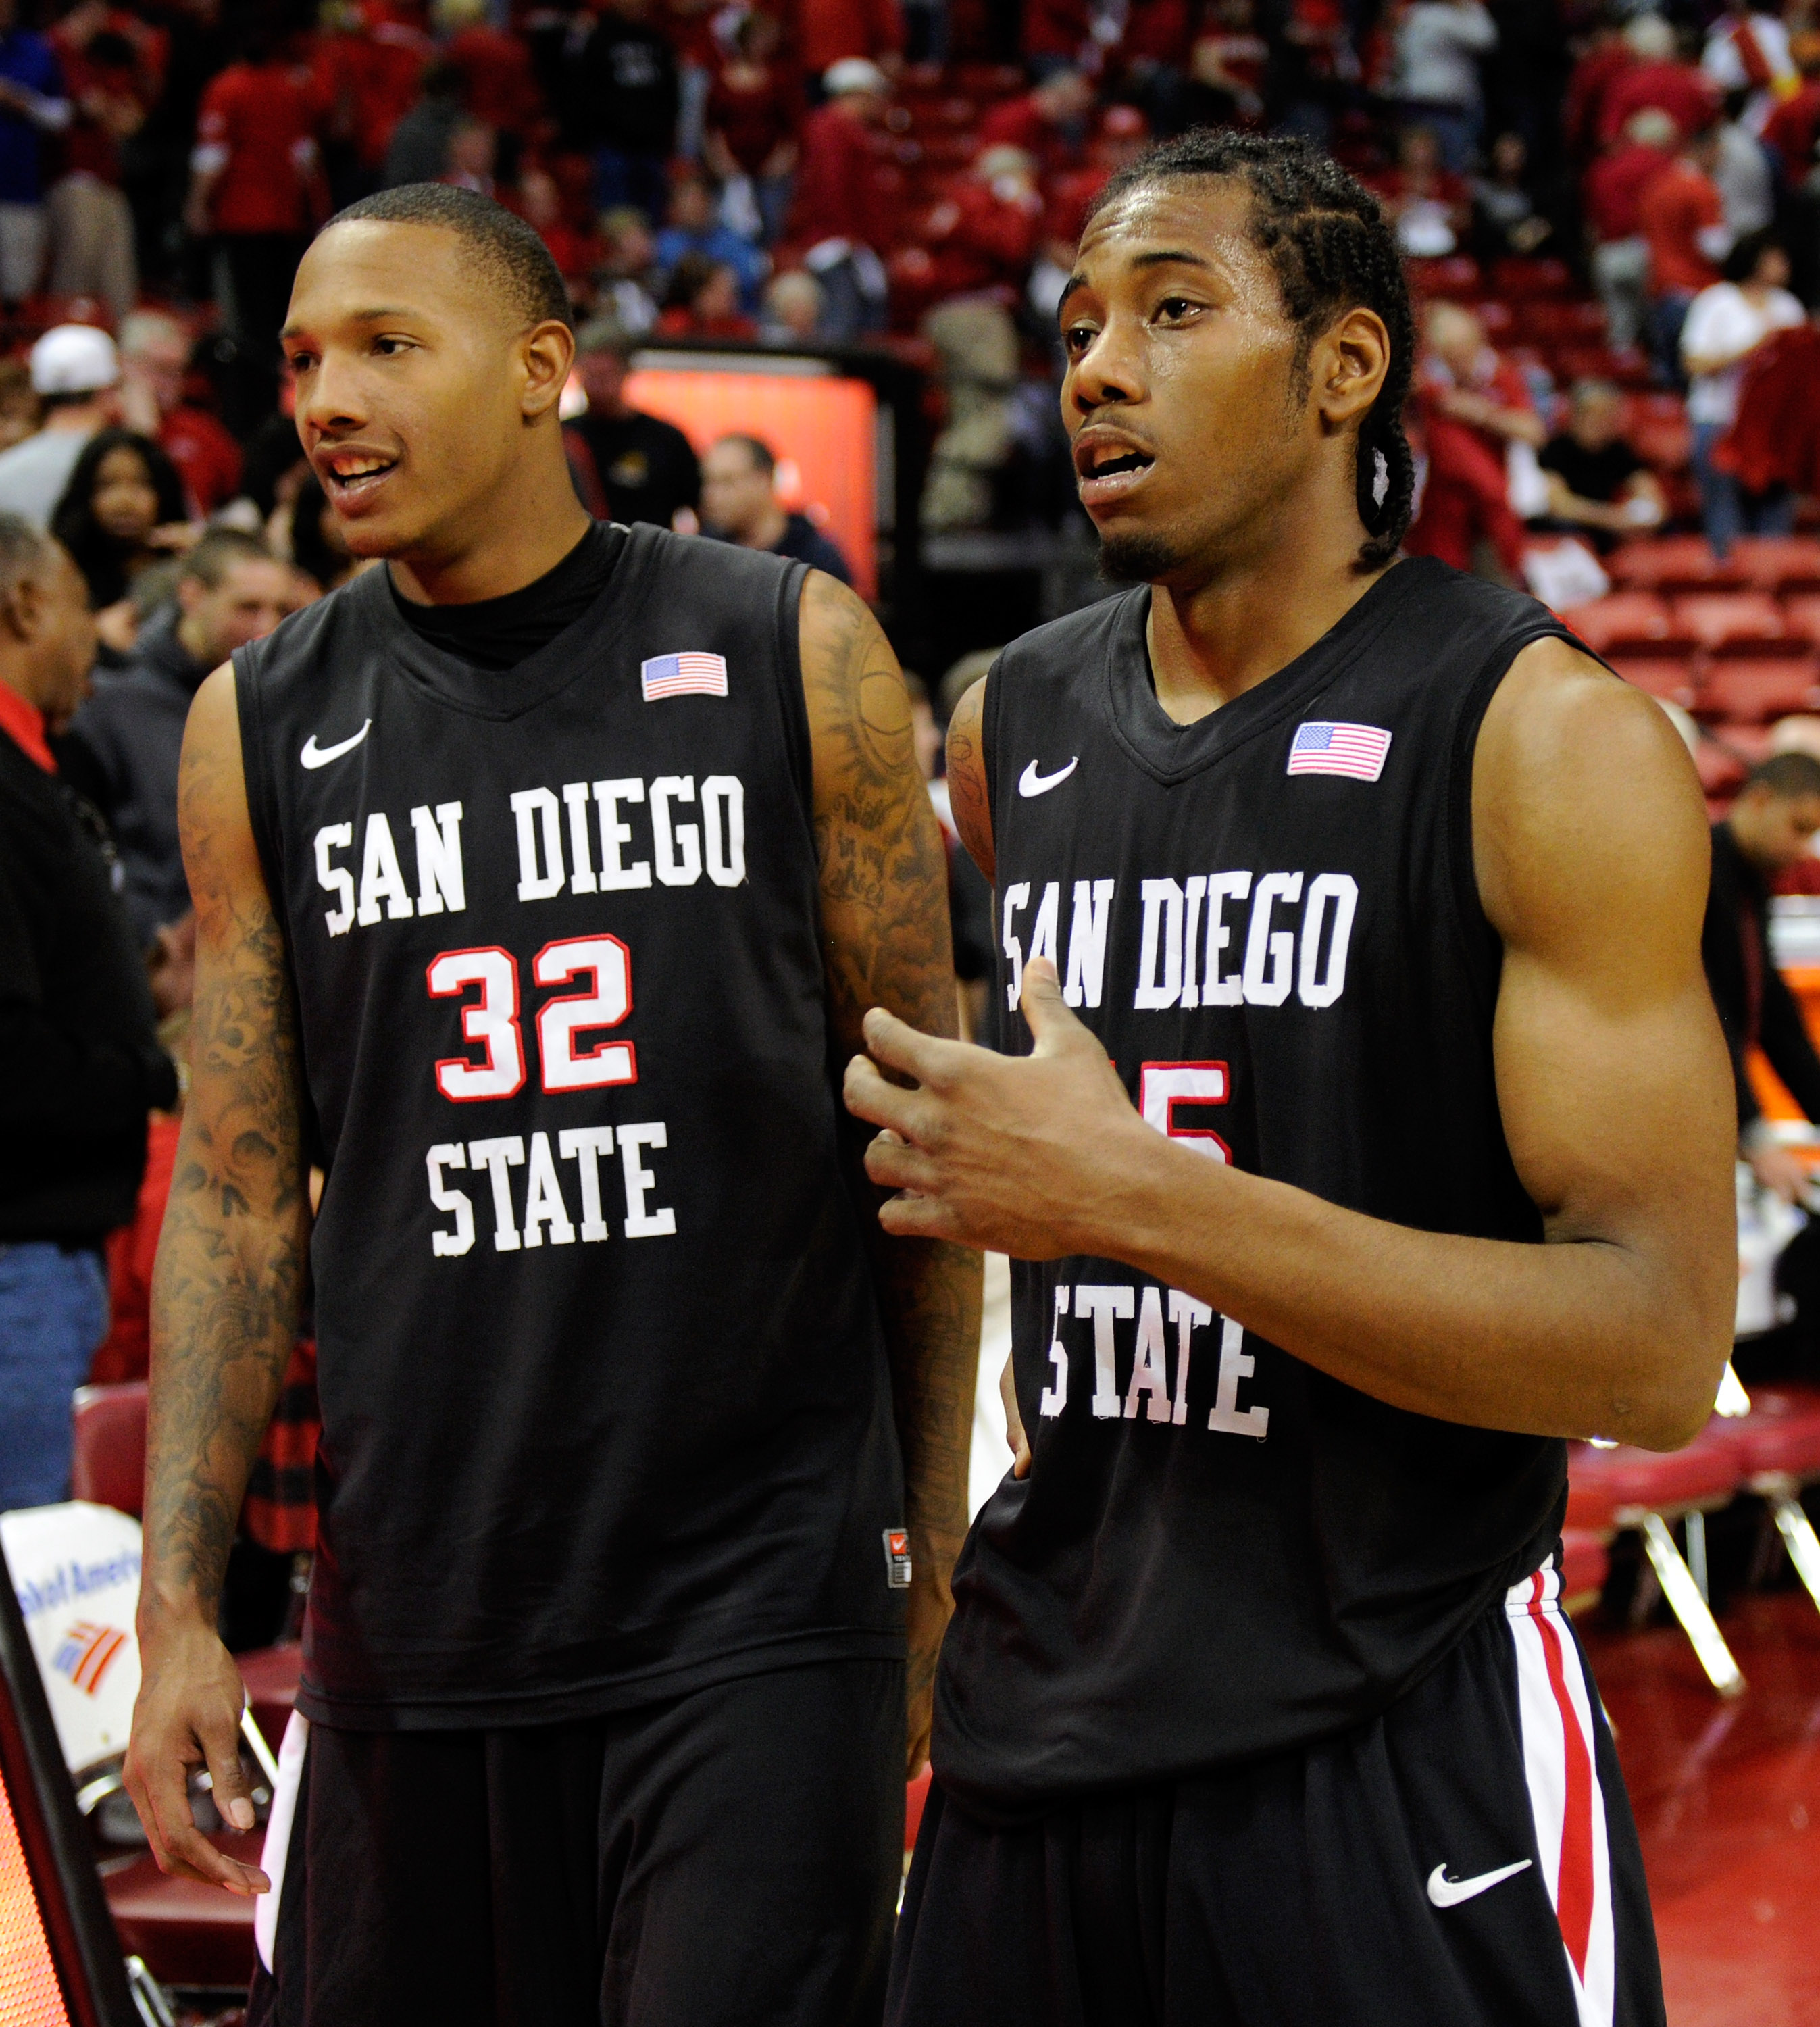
x=1108, y=466
x=352, y=477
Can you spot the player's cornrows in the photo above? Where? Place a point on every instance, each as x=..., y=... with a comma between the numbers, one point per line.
x=1332, y=251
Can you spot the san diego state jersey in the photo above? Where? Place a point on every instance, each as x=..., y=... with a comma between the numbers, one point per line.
x=1270, y=918
x=606, y=1408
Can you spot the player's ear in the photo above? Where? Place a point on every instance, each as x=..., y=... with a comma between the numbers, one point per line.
x=546, y=353
x=1349, y=367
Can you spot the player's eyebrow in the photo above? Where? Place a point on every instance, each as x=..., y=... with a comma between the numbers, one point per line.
x=1161, y=256
x=354, y=316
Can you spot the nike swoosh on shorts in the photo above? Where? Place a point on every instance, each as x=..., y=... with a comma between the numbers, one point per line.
x=1446, y=1893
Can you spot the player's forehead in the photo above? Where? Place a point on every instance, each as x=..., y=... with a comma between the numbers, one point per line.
x=366, y=269
x=1186, y=222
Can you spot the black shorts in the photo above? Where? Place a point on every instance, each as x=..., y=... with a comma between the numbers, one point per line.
x=731, y=1858
x=1468, y=1859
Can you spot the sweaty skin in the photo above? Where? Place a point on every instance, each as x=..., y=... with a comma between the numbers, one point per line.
x=409, y=387
x=1591, y=857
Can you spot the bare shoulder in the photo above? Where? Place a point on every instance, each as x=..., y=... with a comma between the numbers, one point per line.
x=1585, y=805
x=847, y=664
x=968, y=795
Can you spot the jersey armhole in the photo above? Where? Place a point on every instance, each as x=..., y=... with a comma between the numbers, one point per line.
x=261, y=812
x=792, y=704
x=989, y=710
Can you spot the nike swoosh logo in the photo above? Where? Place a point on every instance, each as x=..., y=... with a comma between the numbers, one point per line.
x=1031, y=783
x=1446, y=1893
x=314, y=756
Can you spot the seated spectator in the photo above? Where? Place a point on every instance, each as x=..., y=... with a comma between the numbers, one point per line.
x=1050, y=123
x=792, y=312
x=19, y=415
x=1597, y=482
x=1439, y=46
x=122, y=748
x=419, y=152
x=1614, y=188
x=75, y=374
x=155, y=382
x=1430, y=205
x=985, y=235
x=1681, y=217
x=1504, y=217
x=702, y=300
x=1657, y=76
x=622, y=281
x=754, y=106
x=314, y=538
x=739, y=504
x=538, y=200
x=628, y=466
x=841, y=212
x=123, y=511
x=691, y=227
x=1464, y=378
x=1724, y=326
x=1227, y=69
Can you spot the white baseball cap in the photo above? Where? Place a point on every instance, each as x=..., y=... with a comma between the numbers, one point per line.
x=74, y=359
x=855, y=74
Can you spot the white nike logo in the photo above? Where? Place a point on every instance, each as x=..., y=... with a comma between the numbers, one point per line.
x=1031, y=783
x=314, y=756
x=1446, y=1893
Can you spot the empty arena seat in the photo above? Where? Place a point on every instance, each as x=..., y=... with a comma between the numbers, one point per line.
x=1780, y=1439
x=1722, y=769
x=109, y=1466
x=1611, y=1491
x=1624, y=616
x=1724, y=618
x=1670, y=676
x=1586, y=1558
x=1774, y=562
x=1801, y=614
x=1669, y=559
x=1754, y=689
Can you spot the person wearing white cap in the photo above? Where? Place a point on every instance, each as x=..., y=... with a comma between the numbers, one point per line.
x=75, y=373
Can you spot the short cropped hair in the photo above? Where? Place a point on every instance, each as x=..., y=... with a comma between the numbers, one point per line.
x=764, y=459
x=502, y=245
x=1788, y=777
x=218, y=551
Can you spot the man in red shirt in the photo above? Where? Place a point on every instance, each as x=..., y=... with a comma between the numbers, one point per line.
x=843, y=214
x=983, y=236
x=1656, y=76
x=1681, y=217
x=1048, y=122
x=257, y=189
x=1614, y=187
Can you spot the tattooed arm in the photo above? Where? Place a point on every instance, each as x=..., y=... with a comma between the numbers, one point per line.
x=885, y=916
x=225, y=1299
x=967, y=795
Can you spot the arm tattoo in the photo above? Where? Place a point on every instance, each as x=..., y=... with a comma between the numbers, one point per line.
x=228, y=1284
x=887, y=944
x=967, y=792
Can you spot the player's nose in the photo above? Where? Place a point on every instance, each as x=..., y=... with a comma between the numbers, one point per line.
x=332, y=398
x=1110, y=370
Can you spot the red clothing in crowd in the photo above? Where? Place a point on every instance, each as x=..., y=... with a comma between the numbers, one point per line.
x=126, y=1351
x=1463, y=500
x=689, y=26
x=1791, y=130
x=501, y=89
x=1062, y=28
x=1685, y=94
x=1496, y=379
x=206, y=457
x=842, y=185
x=1583, y=108
x=1070, y=198
x=265, y=116
x=1776, y=439
x=372, y=75
x=828, y=30
x=23, y=724
x=1159, y=32
x=981, y=240
x=111, y=99
x=680, y=321
x=1018, y=123
x=754, y=108
x=1615, y=183
x=1672, y=214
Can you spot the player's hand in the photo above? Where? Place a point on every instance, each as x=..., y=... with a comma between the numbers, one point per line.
x=1034, y=1156
x=188, y=1715
x=1014, y=1433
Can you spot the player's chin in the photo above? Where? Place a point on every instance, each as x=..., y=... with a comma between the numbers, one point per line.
x=1133, y=553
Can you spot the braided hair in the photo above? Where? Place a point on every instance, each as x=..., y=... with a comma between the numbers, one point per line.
x=1331, y=250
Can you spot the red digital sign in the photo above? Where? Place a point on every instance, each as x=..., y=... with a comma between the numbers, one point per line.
x=31, y=1993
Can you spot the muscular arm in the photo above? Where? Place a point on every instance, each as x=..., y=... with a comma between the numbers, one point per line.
x=225, y=1300
x=885, y=931
x=1611, y=1079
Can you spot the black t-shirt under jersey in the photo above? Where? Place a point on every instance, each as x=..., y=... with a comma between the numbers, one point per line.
x=498, y=633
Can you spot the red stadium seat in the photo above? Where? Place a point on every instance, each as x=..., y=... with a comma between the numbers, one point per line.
x=1776, y=563
x=1801, y=615
x=1753, y=689
x=1672, y=677
x=1612, y=1490
x=188, y=1934
x=1585, y=1560
x=1677, y=559
x=1495, y=318
x=1456, y=278
x=1626, y=615
x=109, y=1463
x=1780, y=1442
x=1514, y=277
x=1722, y=770
x=1545, y=322
x=1724, y=618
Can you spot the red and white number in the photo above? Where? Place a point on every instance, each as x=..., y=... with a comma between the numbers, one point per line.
x=607, y=965
x=1165, y=1087
x=492, y=1021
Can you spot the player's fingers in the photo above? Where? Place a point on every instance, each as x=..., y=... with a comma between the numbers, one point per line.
x=909, y=1217
x=1014, y=1433
x=893, y=1164
x=193, y=1857
x=226, y=1776
x=868, y=1096
x=1053, y=1026
x=144, y=1788
x=899, y=1047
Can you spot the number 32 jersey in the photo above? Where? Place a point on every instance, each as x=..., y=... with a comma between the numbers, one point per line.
x=1270, y=919
x=606, y=1408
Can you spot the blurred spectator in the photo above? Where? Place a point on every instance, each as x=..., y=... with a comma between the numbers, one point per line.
x=1747, y=52
x=75, y=373
x=792, y=312
x=621, y=289
x=1050, y=123
x=1769, y=829
x=154, y=360
x=1681, y=218
x=1742, y=174
x=1478, y=421
x=831, y=31
x=76, y=1018
x=257, y=189
x=754, y=110
x=122, y=511
x=538, y=200
x=1505, y=219
x=33, y=103
x=1656, y=76
x=1614, y=191
x=122, y=748
x=318, y=547
x=625, y=96
x=1603, y=58
x=1465, y=379
x=112, y=65
x=840, y=213
x=1439, y=46
x=418, y=149
x=472, y=153
x=1597, y=483
x=370, y=72
x=702, y=300
x=739, y=504
x=1226, y=68
x=1058, y=35
x=495, y=67
x=692, y=228
x=1789, y=132
x=1775, y=442
x=19, y=416
x=628, y=466
x=1724, y=326
x=983, y=236
x=1429, y=203
x=976, y=343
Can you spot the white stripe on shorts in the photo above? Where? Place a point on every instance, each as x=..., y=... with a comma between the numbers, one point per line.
x=283, y=1812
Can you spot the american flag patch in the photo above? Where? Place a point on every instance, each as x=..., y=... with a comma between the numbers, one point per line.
x=683, y=675
x=88, y=1653
x=1356, y=750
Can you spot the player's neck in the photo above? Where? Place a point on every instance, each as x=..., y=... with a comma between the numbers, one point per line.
x=521, y=541
x=1232, y=631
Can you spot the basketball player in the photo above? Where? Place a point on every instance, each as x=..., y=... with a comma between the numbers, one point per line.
x=1258, y=1708
x=537, y=878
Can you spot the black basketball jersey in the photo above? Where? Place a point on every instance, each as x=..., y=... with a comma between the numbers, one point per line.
x=1270, y=918
x=606, y=1408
